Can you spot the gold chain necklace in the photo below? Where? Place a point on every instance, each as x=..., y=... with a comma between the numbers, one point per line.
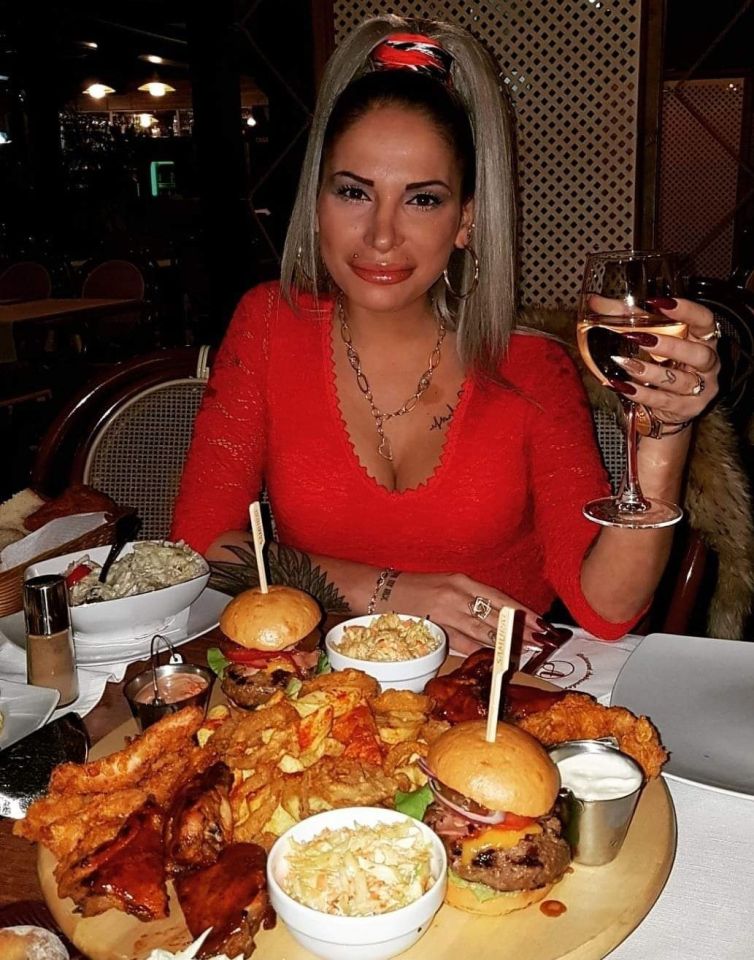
x=384, y=447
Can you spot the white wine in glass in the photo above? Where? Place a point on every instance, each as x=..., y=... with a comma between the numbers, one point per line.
x=620, y=294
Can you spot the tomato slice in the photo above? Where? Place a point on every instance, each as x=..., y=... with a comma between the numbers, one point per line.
x=514, y=822
x=78, y=573
x=255, y=658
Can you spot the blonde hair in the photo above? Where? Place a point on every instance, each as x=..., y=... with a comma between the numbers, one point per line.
x=484, y=320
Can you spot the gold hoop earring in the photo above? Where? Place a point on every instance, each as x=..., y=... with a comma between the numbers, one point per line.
x=475, y=280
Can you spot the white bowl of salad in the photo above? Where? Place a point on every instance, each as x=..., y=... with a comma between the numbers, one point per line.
x=401, y=652
x=358, y=883
x=150, y=583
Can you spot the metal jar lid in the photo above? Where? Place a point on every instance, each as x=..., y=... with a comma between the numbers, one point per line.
x=46, y=605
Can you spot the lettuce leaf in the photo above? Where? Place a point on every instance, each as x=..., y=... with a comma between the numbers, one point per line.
x=216, y=661
x=480, y=890
x=323, y=664
x=413, y=804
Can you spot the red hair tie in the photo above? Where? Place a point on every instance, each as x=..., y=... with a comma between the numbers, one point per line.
x=412, y=51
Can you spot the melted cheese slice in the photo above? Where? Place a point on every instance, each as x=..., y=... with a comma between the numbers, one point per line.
x=495, y=838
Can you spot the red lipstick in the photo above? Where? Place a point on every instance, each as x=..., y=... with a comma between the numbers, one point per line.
x=382, y=275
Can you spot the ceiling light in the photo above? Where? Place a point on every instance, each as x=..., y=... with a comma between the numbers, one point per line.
x=98, y=90
x=89, y=43
x=250, y=121
x=153, y=58
x=156, y=88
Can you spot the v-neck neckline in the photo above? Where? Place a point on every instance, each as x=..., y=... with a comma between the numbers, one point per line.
x=355, y=462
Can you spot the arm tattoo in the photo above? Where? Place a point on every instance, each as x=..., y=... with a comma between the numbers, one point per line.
x=287, y=566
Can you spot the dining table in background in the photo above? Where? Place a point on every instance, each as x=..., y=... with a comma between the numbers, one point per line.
x=705, y=911
x=72, y=313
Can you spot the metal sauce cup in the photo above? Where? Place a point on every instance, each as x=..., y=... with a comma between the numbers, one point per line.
x=145, y=713
x=595, y=829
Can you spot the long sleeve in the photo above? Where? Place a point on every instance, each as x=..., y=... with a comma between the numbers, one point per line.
x=226, y=460
x=566, y=472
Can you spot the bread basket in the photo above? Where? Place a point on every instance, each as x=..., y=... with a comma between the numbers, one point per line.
x=12, y=581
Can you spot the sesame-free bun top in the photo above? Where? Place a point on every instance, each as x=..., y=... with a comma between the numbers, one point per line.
x=269, y=621
x=513, y=774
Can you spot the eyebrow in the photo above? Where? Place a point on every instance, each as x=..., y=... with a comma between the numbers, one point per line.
x=409, y=186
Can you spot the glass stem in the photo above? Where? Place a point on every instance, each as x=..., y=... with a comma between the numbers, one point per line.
x=630, y=498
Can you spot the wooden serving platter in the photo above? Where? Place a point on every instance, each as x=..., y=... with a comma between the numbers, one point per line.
x=604, y=904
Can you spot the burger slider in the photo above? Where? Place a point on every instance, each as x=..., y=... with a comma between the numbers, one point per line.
x=493, y=810
x=269, y=639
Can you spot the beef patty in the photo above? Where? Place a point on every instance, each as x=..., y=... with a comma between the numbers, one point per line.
x=536, y=860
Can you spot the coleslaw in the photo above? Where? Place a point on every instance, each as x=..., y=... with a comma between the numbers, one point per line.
x=152, y=565
x=387, y=638
x=359, y=871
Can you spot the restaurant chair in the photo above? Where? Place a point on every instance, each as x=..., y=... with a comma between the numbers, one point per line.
x=734, y=310
x=25, y=280
x=127, y=434
x=129, y=331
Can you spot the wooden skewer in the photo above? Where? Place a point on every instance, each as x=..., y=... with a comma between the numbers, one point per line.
x=257, y=532
x=499, y=666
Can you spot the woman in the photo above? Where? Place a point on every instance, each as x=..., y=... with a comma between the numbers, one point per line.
x=419, y=457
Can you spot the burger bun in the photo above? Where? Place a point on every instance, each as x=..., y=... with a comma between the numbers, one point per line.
x=514, y=773
x=462, y=897
x=270, y=621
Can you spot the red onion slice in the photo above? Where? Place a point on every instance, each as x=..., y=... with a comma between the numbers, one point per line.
x=444, y=794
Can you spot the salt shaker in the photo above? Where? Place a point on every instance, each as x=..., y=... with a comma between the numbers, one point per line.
x=50, y=656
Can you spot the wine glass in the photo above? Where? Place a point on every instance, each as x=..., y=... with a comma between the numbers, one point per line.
x=619, y=294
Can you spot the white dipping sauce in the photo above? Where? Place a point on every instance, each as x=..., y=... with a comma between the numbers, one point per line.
x=598, y=776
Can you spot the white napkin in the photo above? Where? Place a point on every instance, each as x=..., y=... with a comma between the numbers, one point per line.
x=52, y=535
x=587, y=664
x=92, y=679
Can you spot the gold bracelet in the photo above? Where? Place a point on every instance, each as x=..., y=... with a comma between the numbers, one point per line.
x=648, y=424
x=381, y=579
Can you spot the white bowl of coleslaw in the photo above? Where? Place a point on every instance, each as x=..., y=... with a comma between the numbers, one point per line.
x=401, y=652
x=351, y=861
x=139, y=603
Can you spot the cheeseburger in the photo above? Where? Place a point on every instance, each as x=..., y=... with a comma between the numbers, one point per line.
x=493, y=810
x=268, y=639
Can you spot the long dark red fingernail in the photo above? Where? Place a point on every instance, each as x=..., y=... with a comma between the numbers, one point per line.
x=541, y=638
x=663, y=303
x=643, y=339
x=620, y=387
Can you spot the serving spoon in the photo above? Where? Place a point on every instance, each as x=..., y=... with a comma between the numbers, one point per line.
x=126, y=528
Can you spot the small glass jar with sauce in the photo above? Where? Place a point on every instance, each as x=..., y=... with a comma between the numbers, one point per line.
x=50, y=654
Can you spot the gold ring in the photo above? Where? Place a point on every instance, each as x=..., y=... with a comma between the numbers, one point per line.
x=480, y=607
x=712, y=335
x=698, y=386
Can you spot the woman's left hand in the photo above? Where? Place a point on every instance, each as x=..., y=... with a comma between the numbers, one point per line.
x=682, y=391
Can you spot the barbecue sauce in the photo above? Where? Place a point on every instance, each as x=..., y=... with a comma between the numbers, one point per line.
x=218, y=896
x=130, y=868
x=552, y=908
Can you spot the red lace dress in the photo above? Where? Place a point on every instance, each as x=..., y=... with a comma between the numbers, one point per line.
x=503, y=505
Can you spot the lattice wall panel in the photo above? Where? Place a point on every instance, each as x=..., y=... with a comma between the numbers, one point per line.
x=698, y=177
x=571, y=68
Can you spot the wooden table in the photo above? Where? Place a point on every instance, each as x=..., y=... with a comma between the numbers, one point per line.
x=18, y=863
x=59, y=308
x=53, y=311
